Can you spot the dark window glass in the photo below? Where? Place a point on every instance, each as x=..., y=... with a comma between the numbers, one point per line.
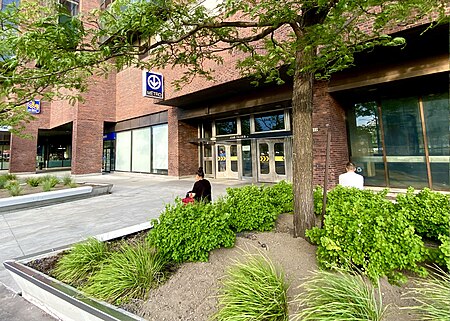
x=269, y=121
x=365, y=142
x=263, y=158
x=71, y=7
x=280, y=168
x=233, y=158
x=226, y=127
x=245, y=125
x=246, y=158
x=207, y=130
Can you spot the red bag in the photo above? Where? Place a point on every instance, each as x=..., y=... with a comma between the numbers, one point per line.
x=187, y=200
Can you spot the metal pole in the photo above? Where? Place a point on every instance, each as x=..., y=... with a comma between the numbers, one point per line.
x=325, y=180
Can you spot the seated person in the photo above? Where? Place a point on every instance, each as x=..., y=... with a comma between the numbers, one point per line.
x=350, y=178
x=202, y=188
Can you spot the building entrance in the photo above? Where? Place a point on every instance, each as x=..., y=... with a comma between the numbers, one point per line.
x=227, y=161
x=271, y=160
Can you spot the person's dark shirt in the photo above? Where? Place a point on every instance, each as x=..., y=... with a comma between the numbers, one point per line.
x=202, y=190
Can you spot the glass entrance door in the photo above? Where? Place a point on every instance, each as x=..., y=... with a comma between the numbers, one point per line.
x=227, y=161
x=271, y=160
x=108, y=160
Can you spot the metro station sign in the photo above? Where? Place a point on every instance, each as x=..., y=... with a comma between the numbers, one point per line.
x=152, y=84
x=34, y=106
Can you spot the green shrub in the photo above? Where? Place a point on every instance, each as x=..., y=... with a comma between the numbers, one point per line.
x=361, y=228
x=432, y=295
x=189, y=232
x=250, y=209
x=127, y=274
x=281, y=196
x=33, y=181
x=3, y=181
x=444, y=249
x=339, y=295
x=82, y=261
x=14, y=188
x=428, y=212
x=318, y=200
x=67, y=180
x=10, y=177
x=47, y=185
x=53, y=180
x=253, y=290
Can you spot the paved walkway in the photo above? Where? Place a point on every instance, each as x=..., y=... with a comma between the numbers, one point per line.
x=135, y=198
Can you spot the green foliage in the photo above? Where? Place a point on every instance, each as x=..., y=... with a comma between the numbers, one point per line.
x=362, y=229
x=3, y=181
x=339, y=295
x=253, y=290
x=432, y=296
x=33, y=181
x=49, y=182
x=127, y=274
x=189, y=232
x=444, y=250
x=81, y=262
x=427, y=211
x=318, y=200
x=67, y=180
x=281, y=196
x=14, y=188
x=11, y=177
x=250, y=208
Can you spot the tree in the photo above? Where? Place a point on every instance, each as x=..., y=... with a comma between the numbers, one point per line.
x=49, y=52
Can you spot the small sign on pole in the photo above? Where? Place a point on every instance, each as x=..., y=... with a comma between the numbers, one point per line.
x=152, y=84
x=34, y=106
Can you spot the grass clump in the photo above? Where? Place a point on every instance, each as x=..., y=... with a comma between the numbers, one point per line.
x=5, y=179
x=432, y=295
x=339, y=295
x=81, y=262
x=33, y=181
x=67, y=180
x=253, y=290
x=128, y=274
x=14, y=188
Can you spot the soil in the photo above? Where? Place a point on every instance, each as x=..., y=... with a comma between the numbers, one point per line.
x=190, y=293
x=27, y=189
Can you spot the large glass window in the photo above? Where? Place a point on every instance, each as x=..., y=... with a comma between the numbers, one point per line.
x=269, y=121
x=226, y=127
x=123, y=151
x=160, y=143
x=437, y=121
x=140, y=159
x=365, y=143
x=245, y=125
x=404, y=142
x=246, y=158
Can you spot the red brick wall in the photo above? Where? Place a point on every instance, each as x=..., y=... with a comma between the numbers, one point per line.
x=327, y=111
x=23, y=151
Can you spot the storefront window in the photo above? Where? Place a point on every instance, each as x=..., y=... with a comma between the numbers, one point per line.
x=160, y=149
x=269, y=121
x=365, y=142
x=226, y=127
x=140, y=161
x=437, y=121
x=123, y=151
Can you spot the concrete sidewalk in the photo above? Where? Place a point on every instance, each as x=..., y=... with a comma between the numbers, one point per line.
x=135, y=198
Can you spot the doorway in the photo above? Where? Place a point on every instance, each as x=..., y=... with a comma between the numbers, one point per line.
x=271, y=160
x=227, y=161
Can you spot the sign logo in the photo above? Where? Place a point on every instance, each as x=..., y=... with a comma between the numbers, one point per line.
x=152, y=84
x=34, y=106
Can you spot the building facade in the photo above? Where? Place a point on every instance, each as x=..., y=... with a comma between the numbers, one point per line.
x=390, y=115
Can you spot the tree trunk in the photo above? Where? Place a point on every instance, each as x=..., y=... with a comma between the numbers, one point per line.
x=302, y=156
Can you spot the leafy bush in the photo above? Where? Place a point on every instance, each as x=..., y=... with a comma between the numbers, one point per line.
x=189, y=232
x=427, y=211
x=250, y=209
x=14, y=188
x=47, y=185
x=281, y=196
x=10, y=177
x=127, y=274
x=67, y=180
x=33, y=181
x=433, y=297
x=53, y=180
x=83, y=260
x=3, y=181
x=339, y=295
x=318, y=200
x=444, y=249
x=361, y=228
x=5, y=178
x=253, y=290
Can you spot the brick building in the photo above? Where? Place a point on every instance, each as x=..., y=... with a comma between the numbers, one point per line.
x=389, y=115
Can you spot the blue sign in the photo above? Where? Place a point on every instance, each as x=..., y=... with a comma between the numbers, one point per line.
x=153, y=84
x=34, y=106
x=109, y=136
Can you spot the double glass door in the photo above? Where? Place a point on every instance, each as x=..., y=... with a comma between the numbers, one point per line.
x=227, y=162
x=271, y=160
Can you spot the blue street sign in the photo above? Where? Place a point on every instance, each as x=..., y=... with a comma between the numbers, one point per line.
x=153, y=84
x=34, y=106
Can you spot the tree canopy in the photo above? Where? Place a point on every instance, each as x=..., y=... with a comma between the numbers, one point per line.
x=46, y=52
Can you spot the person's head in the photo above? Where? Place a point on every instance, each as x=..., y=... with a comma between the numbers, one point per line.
x=200, y=173
x=350, y=167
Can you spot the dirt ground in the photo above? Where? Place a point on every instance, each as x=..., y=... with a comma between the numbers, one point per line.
x=190, y=294
x=27, y=189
